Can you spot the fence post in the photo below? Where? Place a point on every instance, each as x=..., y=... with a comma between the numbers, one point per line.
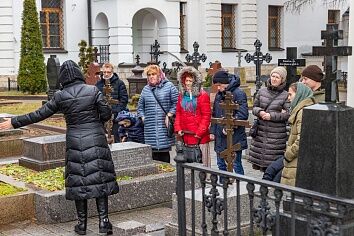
x=180, y=190
x=8, y=84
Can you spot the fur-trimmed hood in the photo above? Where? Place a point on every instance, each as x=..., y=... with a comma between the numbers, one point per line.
x=197, y=83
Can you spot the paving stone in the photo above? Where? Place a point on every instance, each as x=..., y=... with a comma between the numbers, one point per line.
x=128, y=228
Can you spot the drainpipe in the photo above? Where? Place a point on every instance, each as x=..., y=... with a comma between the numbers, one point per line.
x=89, y=23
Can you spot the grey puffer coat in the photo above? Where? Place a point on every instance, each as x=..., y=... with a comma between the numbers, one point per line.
x=271, y=138
x=89, y=169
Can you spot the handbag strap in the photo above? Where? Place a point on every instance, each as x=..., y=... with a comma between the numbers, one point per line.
x=191, y=133
x=265, y=109
x=157, y=100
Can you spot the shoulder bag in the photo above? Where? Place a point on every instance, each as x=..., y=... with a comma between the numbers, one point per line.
x=170, y=128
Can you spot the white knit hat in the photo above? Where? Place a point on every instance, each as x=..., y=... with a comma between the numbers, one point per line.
x=281, y=71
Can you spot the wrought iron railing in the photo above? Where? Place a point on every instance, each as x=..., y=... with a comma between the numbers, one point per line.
x=271, y=208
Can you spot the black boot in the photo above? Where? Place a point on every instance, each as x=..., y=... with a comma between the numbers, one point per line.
x=105, y=227
x=81, y=209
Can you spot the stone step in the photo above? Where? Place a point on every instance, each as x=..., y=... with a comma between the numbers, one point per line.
x=128, y=228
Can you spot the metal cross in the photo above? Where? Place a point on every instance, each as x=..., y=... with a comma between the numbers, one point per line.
x=258, y=59
x=155, y=53
x=229, y=123
x=137, y=58
x=196, y=57
x=329, y=51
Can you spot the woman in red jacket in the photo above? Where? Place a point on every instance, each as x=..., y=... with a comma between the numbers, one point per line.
x=193, y=111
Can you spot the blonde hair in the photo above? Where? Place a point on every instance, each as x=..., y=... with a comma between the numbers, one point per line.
x=108, y=65
x=152, y=68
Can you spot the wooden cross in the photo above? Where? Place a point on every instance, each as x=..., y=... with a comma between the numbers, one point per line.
x=196, y=57
x=229, y=122
x=258, y=59
x=107, y=92
x=329, y=51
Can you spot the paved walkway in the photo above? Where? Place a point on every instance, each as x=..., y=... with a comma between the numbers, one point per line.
x=154, y=217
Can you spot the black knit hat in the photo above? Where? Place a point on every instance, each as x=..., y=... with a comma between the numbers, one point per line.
x=313, y=72
x=221, y=77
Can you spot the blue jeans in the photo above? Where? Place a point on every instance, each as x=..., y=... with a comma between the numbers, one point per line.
x=238, y=168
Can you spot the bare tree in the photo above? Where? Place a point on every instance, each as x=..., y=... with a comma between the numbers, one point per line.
x=298, y=5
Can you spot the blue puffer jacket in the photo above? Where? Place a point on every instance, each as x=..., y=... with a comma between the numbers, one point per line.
x=134, y=133
x=240, y=97
x=155, y=131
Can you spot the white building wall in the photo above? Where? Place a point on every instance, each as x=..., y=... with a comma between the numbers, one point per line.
x=7, y=54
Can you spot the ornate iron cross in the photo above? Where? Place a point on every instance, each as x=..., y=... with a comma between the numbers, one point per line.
x=95, y=54
x=137, y=59
x=155, y=53
x=329, y=51
x=196, y=57
x=258, y=59
x=230, y=123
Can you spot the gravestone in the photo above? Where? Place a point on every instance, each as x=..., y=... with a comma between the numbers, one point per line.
x=291, y=63
x=93, y=73
x=325, y=159
x=136, y=82
x=215, y=67
x=53, y=67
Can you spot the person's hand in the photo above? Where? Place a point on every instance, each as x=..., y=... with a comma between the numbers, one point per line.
x=266, y=116
x=123, y=139
x=142, y=119
x=224, y=132
x=180, y=133
x=212, y=137
x=6, y=124
x=262, y=113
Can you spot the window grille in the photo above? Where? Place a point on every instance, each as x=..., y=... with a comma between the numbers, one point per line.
x=274, y=29
x=182, y=23
x=51, y=20
x=228, y=26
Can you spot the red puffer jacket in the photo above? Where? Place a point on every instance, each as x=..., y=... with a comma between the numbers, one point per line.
x=197, y=123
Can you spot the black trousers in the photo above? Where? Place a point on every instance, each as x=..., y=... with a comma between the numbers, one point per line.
x=163, y=156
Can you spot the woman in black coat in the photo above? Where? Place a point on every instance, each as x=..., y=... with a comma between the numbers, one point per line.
x=89, y=169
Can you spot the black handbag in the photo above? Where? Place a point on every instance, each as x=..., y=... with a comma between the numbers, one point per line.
x=254, y=129
x=192, y=153
x=171, y=123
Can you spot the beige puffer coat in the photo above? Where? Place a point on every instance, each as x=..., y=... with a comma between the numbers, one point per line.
x=292, y=148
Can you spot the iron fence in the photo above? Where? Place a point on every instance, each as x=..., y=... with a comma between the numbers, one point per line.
x=102, y=55
x=263, y=208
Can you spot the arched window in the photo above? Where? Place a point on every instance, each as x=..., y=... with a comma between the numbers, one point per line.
x=51, y=19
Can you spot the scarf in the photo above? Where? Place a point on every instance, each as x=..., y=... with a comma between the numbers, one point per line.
x=302, y=93
x=189, y=102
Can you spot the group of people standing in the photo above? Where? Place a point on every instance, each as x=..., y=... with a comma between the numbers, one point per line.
x=272, y=149
x=89, y=169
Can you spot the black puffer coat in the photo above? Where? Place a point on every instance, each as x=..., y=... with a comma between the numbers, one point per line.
x=89, y=169
x=270, y=142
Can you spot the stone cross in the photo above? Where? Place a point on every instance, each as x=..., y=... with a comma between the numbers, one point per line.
x=291, y=63
x=239, y=56
x=155, y=53
x=196, y=57
x=258, y=59
x=329, y=51
x=229, y=123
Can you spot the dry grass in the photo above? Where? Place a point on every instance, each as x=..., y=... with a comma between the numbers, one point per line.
x=17, y=93
x=24, y=108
